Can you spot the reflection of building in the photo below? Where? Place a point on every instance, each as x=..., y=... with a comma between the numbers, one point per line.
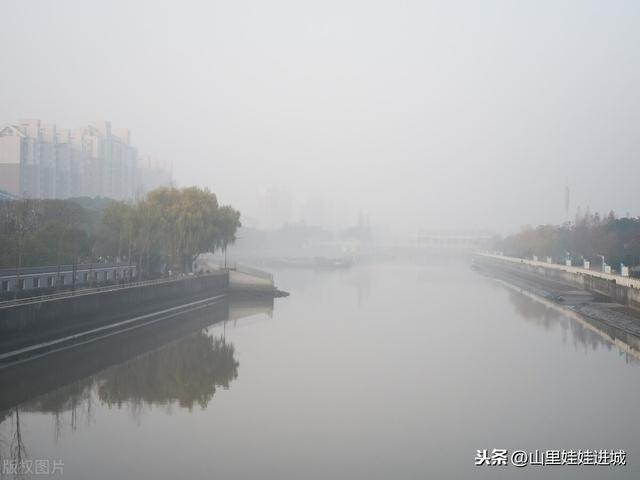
x=42, y=161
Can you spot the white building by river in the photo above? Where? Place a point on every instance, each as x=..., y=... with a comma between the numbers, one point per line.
x=39, y=160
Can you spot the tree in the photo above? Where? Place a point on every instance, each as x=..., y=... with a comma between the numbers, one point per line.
x=198, y=225
x=165, y=231
x=228, y=220
x=590, y=236
x=117, y=230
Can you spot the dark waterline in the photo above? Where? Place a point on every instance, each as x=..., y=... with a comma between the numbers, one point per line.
x=379, y=371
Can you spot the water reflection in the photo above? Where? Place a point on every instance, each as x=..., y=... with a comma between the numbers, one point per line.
x=427, y=332
x=588, y=334
x=176, y=364
x=186, y=373
x=360, y=280
x=16, y=450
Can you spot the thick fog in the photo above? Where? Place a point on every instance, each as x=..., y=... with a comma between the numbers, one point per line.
x=419, y=114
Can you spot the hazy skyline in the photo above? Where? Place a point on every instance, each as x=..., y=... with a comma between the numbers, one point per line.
x=423, y=114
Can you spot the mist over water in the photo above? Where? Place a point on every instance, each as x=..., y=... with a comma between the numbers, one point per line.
x=393, y=370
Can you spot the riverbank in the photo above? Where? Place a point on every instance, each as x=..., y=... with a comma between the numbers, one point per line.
x=42, y=325
x=619, y=323
x=315, y=364
x=621, y=289
x=30, y=379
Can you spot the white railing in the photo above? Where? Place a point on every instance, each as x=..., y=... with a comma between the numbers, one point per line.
x=89, y=291
x=620, y=280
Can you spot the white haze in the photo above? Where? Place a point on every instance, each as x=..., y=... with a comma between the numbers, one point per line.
x=421, y=114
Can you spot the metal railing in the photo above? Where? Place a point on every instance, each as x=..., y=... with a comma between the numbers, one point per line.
x=619, y=279
x=92, y=290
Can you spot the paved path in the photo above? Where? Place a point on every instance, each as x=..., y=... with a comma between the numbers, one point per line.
x=245, y=281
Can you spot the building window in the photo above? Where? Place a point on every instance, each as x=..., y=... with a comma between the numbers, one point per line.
x=21, y=284
x=36, y=282
x=61, y=279
x=50, y=281
x=85, y=277
x=5, y=285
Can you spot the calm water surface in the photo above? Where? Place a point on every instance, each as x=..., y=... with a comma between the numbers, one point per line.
x=385, y=371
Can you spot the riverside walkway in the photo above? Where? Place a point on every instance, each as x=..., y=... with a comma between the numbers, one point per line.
x=619, y=279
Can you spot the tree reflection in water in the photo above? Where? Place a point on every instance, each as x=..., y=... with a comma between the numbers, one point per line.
x=12, y=448
x=186, y=372
x=590, y=339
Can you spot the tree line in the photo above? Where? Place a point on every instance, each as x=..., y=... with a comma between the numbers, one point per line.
x=586, y=238
x=161, y=234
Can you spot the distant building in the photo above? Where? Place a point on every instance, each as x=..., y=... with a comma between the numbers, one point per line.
x=42, y=161
x=13, y=158
x=276, y=207
x=454, y=238
x=152, y=174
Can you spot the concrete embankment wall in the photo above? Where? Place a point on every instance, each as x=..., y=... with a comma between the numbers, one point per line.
x=39, y=321
x=623, y=290
x=240, y=281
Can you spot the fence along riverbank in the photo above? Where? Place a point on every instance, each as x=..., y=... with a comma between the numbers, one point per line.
x=616, y=288
x=41, y=320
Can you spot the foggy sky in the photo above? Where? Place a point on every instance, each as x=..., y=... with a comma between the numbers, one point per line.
x=422, y=114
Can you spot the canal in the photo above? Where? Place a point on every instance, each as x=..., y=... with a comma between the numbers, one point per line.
x=381, y=371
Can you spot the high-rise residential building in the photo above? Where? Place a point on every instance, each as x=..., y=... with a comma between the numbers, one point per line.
x=43, y=161
x=63, y=169
x=47, y=163
x=12, y=153
x=151, y=174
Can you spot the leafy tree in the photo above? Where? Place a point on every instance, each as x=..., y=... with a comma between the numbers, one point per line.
x=228, y=220
x=165, y=231
x=588, y=237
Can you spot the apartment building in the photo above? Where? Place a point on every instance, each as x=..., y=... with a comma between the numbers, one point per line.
x=39, y=160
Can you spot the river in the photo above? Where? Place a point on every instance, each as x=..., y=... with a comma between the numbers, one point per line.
x=381, y=371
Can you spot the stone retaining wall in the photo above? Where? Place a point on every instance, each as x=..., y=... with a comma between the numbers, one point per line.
x=24, y=324
x=623, y=290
